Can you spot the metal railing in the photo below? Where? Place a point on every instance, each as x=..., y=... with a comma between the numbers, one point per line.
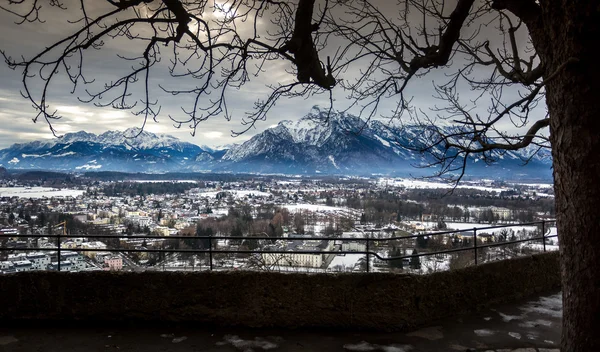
x=369, y=241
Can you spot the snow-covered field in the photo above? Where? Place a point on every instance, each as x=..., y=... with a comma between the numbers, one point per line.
x=313, y=207
x=236, y=193
x=163, y=181
x=465, y=226
x=345, y=262
x=38, y=192
x=535, y=185
x=420, y=184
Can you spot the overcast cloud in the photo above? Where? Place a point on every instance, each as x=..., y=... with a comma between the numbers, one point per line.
x=16, y=112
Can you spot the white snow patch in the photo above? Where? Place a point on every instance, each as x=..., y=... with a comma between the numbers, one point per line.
x=33, y=155
x=235, y=193
x=551, y=306
x=516, y=335
x=164, y=181
x=247, y=345
x=420, y=184
x=14, y=161
x=508, y=318
x=382, y=141
x=332, y=159
x=345, y=262
x=88, y=167
x=38, y=192
x=462, y=226
x=313, y=207
x=535, y=323
x=365, y=346
x=484, y=332
x=63, y=154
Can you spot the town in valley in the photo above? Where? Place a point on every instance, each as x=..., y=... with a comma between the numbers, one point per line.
x=136, y=222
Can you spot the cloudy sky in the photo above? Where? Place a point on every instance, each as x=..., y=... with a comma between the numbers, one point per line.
x=103, y=65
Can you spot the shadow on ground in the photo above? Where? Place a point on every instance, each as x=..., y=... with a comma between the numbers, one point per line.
x=527, y=326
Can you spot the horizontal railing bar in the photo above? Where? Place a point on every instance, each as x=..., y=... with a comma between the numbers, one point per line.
x=462, y=249
x=210, y=250
x=134, y=250
x=326, y=238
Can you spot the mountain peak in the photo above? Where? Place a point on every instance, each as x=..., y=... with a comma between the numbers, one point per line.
x=132, y=132
x=80, y=136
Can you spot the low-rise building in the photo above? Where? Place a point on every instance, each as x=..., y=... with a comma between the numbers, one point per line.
x=22, y=265
x=95, y=246
x=6, y=265
x=64, y=266
x=77, y=261
x=354, y=247
x=296, y=258
x=114, y=262
x=39, y=260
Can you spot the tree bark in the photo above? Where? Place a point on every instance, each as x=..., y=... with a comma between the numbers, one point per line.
x=573, y=100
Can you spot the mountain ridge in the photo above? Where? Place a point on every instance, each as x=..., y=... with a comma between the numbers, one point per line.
x=318, y=143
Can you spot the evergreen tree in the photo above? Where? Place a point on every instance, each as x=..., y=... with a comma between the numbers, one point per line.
x=236, y=231
x=396, y=263
x=415, y=262
x=422, y=241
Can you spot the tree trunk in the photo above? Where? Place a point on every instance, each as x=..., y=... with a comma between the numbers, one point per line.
x=573, y=99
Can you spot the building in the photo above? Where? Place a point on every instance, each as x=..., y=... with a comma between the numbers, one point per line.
x=17, y=257
x=64, y=266
x=113, y=263
x=7, y=266
x=77, y=261
x=354, y=247
x=39, y=261
x=94, y=247
x=141, y=220
x=9, y=231
x=162, y=231
x=22, y=265
x=100, y=256
x=296, y=258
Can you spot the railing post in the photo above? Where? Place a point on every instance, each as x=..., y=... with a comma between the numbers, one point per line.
x=58, y=245
x=475, y=243
x=544, y=234
x=368, y=254
x=210, y=254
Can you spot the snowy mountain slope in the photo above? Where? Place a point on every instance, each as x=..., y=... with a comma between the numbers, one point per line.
x=112, y=150
x=345, y=144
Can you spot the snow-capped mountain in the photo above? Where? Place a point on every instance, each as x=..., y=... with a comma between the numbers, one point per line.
x=319, y=143
x=340, y=143
x=132, y=150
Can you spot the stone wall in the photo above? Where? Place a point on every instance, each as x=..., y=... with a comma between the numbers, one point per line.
x=263, y=299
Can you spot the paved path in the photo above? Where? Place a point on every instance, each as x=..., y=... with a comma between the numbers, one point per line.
x=530, y=326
